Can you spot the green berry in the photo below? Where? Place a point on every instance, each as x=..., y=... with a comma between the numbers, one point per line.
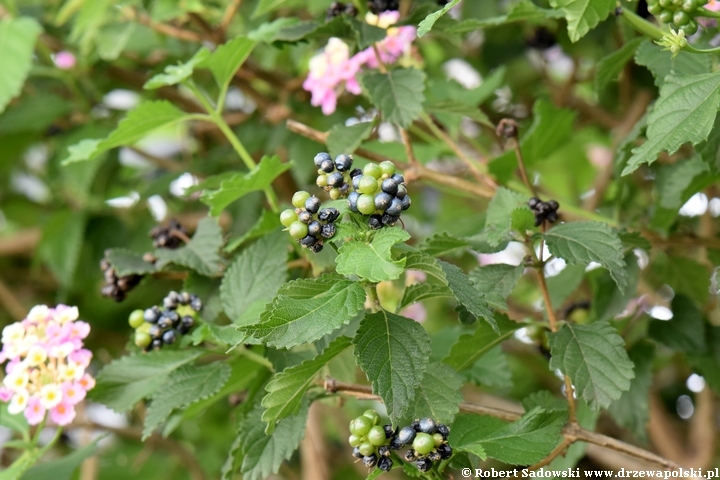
x=287, y=217
x=677, y=3
x=372, y=169
x=334, y=193
x=298, y=230
x=142, y=339
x=666, y=16
x=376, y=435
x=368, y=184
x=438, y=439
x=145, y=327
x=387, y=168
x=366, y=204
x=655, y=9
x=423, y=443
x=689, y=6
x=680, y=18
x=322, y=181
x=372, y=415
x=666, y=3
x=354, y=440
x=136, y=318
x=298, y=200
x=367, y=449
x=361, y=426
x=690, y=29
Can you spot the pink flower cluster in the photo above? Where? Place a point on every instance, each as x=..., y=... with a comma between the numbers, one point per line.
x=46, y=364
x=334, y=70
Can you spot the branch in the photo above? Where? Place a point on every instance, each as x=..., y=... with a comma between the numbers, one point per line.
x=165, y=29
x=229, y=14
x=11, y=303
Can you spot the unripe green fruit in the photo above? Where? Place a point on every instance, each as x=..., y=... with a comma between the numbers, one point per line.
x=366, y=204
x=423, y=443
x=387, y=168
x=145, y=328
x=367, y=449
x=368, y=184
x=142, y=339
x=354, y=440
x=298, y=230
x=690, y=5
x=361, y=426
x=334, y=193
x=372, y=169
x=690, y=29
x=287, y=217
x=666, y=16
x=655, y=9
x=321, y=181
x=438, y=439
x=677, y=3
x=298, y=200
x=680, y=19
x=665, y=3
x=372, y=415
x=376, y=435
x=136, y=318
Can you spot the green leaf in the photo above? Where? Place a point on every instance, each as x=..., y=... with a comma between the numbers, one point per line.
x=255, y=276
x=685, y=112
x=498, y=217
x=490, y=370
x=307, y=309
x=471, y=346
x=227, y=58
x=112, y=39
x=393, y=351
x=684, y=275
x=523, y=11
x=523, y=442
x=61, y=468
x=17, y=42
x=438, y=396
x=34, y=113
x=443, y=244
x=201, y=254
x=459, y=108
x=344, y=139
x=372, y=261
x=685, y=331
x=16, y=423
x=175, y=74
x=426, y=25
x=263, y=454
x=235, y=186
x=421, y=291
x=522, y=219
x=545, y=400
x=674, y=179
x=83, y=150
x=184, y=386
x=631, y=410
x=416, y=260
x=126, y=262
x=286, y=390
x=61, y=244
x=496, y=282
x=398, y=94
x=564, y=284
x=122, y=383
x=266, y=223
x=595, y=360
x=467, y=295
x=583, y=15
x=21, y=464
x=267, y=6
x=662, y=62
x=608, y=301
x=579, y=243
x=611, y=65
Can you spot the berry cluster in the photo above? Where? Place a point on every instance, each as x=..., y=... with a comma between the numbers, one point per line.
x=308, y=224
x=544, y=210
x=334, y=177
x=373, y=444
x=116, y=287
x=680, y=13
x=379, y=6
x=339, y=8
x=379, y=192
x=157, y=326
x=170, y=236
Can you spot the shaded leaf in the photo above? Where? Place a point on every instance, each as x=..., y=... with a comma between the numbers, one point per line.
x=201, y=254
x=496, y=282
x=372, y=261
x=17, y=43
x=471, y=346
x=398, y=94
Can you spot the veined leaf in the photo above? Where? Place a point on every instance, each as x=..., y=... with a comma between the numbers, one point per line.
x=398, y=94
x=372, y=261
x=174, y=74
x=426, y=25
x=498, y=216
x=17, y=42
x=201, y=254
x=471, y=346
x=227, y=59
x=631, y=410
x=344, y=139
x=583, y=15
x=610, y=66
x=421, y=291
x=438, y=396
x=443, y=244
x=126, y=262
x=662, y=63
x=496, y=282
x=468, y=296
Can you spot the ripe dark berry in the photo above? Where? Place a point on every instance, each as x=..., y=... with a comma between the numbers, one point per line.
x=396, y=444
x=343, y=162
x=384, y=450
x=395, y=207
x=533, y=202
x=434, y=456
x=195, y=303
x=389, y=186
x=406, y=202
x=389, y=220
x=370, y=460
x=169, y=337
x=385, y=464
x=157, y=343
x=155, y=331
x=312, y=204
x=329, y=215
x=356, y=182
x=389, y=431
x=328, y=231
x=186, y=323
x=352, y=201
x=383, y=200
x=553, y=205
x=415, y=425
x=327, y=166
x=344, y=189
x=445, y=451
x=356, y=453
x=406, y=435
x=184, y=298
x=402, y=191
x=552, y=217
x=314, y=228
x=164, y=322
x=320, y=158
x=308, y=241
x=423, y=464
x=375, y=222
x=443, y=430
x=356, y=172
x=317, y=248
x=304, y=216
x=428, y=425
x=410, y=455
x=151, y=315
x=335, y=179
x=170, y=303
x=399, y=179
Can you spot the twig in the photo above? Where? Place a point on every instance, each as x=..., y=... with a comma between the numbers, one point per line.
x=165, y=29
x=22, y=242
x=11, y=303
x=228, y=15
x=408, y=146
x=557, y=451
x=521, y=167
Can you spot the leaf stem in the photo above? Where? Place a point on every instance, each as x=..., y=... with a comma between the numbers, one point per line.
x=255, y=357
x=371, y=289
x=521, y=166
x=641, y=25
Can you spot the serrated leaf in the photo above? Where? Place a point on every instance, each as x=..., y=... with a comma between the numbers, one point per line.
x=580, y=243
x=663, y=62
x=595, y=360
x=61, y=244
x=398, y=94
x=685, y=331
x=61, y=468
x=286, y=390
x=498, y=216
x=674, y=179
x=457, y=107
x=233, y=187
x=346, y=140
x=372, y=261
x=184, y=386
x=684, y=275
x=267, y=6
x=255, y=276
x=201, y=254
x=465, y=293
x=306, y=309
x=545, y=400
x=583, y=15
x=635, y=240
x=127, y=380
x=522, y=219
x=496, y=282
x=17, y=42
x=631, y=410
x=471, y=346
x=227, y=59
x=393, y=351
x=523, y=11
x=426, y=25
x=491, y=370
x=443, y=244
x=685, y=112
x=421, y=291
x=174, y=74
x=523, y=442
x=438, y=396
x=83, y=150
x=416, y=260
x=126, y=262
x=611, y=65
x=266, y=223
x=608, y=301
x=564, y=284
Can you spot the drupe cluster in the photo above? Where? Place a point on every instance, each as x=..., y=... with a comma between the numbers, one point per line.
x=380, y=193
x=162, y=325
x=334, y=175
x=116, y=287
x=544, y=210
x=427, y=440
x=379, y=6
x=308, y=223
x=370, y=441
x=339, y=8
x=169, y=236
x=678, y=13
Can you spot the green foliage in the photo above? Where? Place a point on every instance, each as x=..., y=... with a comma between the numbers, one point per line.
x=685, y=331
x=498, y=218
x=398, y=94
x=496, y=282
x=17, y=40
x=426, y=25
x=175, y=74
x=227, y=58
x=611, y=66
x=125, y=262
x=61, y=468
x=438, y=396
x=583, y=15
x=631, y=410
x=466, y=293
x=201, y=254
x=470, y=347
x=372, y=261
x=344, y=139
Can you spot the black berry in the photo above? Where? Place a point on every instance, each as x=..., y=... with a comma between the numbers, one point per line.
x=375, y=222
x=427, y=425
x=356, y=172
x=328, y=231
x=343, y=162
x=308, y=241
x=352, y=201
x=169, y=337
x=423, y=464
x=385, y=464
x=370, y=460
x=383, y=200
x=389, y=431
x=320, y=158
x=329, y=215
x=384, y=450
x=314, y=228
x=434, y=456
x=398, y=179
x=312, y=204
x=304, y=216
x=151, y=315
x=327, y=165
x=389, y=186
x=445, y=451
x=157, y=343
x=396, y=444
x=443, y=430
x=395, y=207
x=389, y=220
x=335, y=180
x=410, y=455
x=406, y=435
x=317, y=248
x=356, y=453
